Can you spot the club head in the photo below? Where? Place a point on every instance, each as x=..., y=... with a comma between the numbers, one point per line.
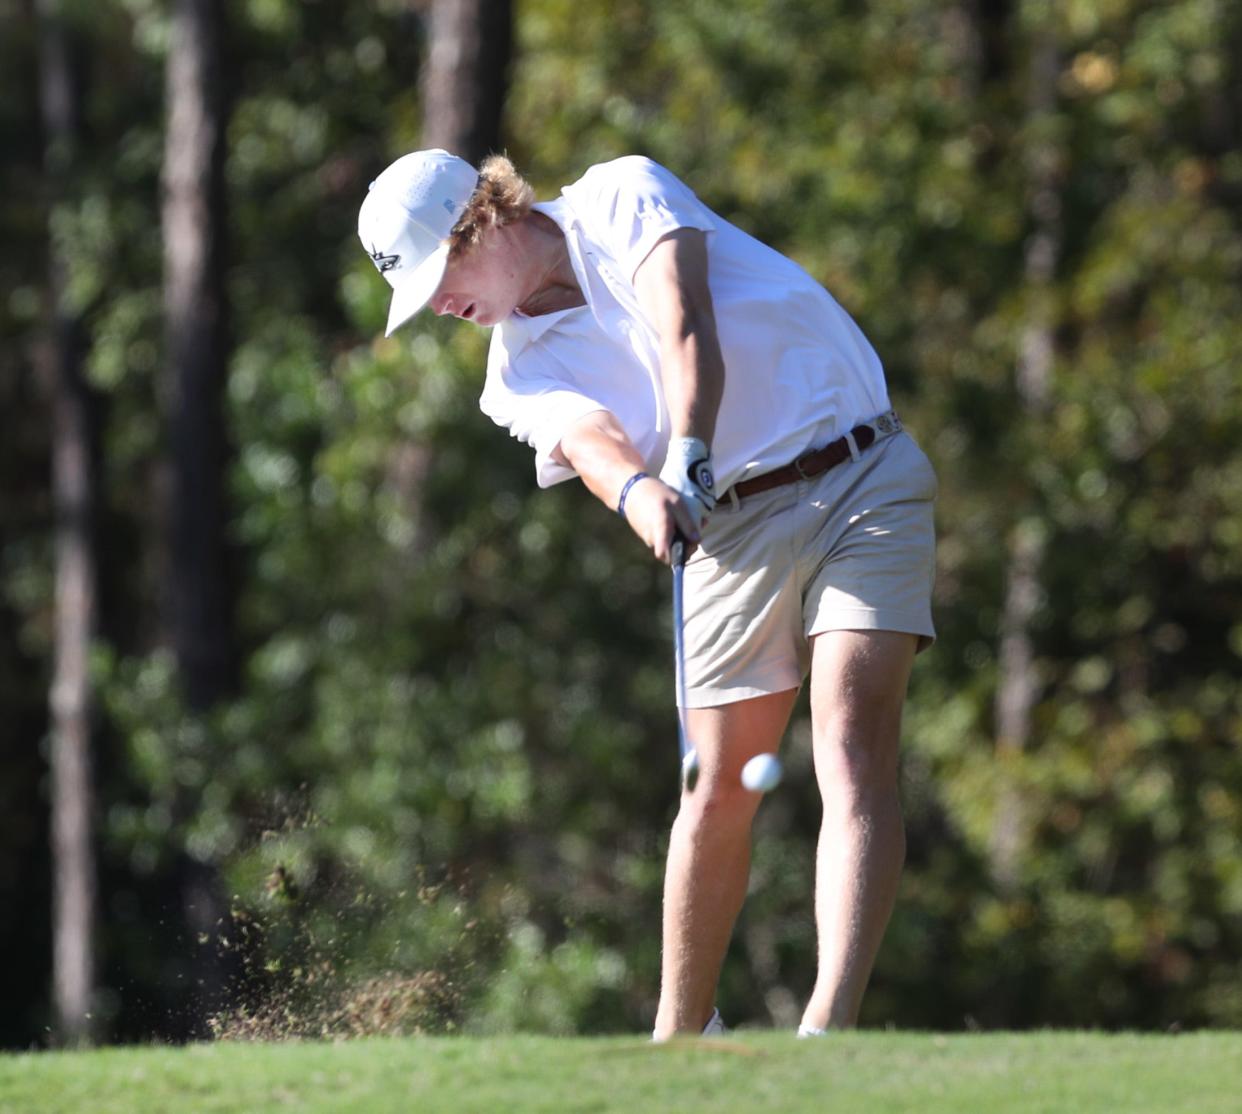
x=690, y=770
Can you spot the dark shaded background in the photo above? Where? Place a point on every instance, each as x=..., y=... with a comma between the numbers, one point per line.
x=381, y=739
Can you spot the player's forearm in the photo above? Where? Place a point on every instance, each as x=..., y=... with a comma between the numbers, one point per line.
x=673, y=290
x=692, y=371
x=598, y=449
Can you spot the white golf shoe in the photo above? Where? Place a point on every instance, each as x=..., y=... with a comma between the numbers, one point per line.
x=715, y=1026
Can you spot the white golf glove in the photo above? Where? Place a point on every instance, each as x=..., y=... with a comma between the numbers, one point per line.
x=688, y=471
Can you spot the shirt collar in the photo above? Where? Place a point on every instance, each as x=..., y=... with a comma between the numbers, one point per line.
x=521, y=330
x=526, y=330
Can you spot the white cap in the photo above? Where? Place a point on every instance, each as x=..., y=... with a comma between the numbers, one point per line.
x=405, y=221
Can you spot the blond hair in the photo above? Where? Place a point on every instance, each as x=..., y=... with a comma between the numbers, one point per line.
x=501, y=197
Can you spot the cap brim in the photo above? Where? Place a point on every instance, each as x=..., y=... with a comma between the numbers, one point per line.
x=416, y=291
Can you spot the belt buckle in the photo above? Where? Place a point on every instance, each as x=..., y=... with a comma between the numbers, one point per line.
x=797, y=465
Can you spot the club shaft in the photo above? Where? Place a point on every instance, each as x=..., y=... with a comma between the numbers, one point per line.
x=679, y=644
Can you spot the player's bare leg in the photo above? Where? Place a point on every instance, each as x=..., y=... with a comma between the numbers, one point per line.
x=709, y=855
x=858, y=686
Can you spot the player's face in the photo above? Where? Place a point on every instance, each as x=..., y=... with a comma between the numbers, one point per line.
x=486, y=282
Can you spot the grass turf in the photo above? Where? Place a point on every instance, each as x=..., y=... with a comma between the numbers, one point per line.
x=873, y=1072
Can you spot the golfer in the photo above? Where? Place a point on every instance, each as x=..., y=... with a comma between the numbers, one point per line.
x=703, y=385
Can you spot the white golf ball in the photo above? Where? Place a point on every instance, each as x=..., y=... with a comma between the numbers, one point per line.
x=761, y=773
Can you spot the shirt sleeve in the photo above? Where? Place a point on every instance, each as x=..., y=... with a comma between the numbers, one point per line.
x=534, y=407
x=631, y=203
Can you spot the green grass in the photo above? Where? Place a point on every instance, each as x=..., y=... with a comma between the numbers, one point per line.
x=872, y=1072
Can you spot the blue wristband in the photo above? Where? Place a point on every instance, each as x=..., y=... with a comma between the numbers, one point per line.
x=626, y=490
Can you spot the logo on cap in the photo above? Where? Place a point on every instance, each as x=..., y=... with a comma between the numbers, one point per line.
x=384, y=262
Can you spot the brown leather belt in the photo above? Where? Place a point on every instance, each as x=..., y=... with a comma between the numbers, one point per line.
x=818, y=461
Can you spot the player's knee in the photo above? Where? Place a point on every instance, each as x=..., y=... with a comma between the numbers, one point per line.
x=856, y=758
x=718, y=802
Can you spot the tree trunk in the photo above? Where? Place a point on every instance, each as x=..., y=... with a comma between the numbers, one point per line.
x=197, y=595
x=74, y=488
x=464, y=83
x=465, y=76
x=1018, y=683
x=199, y=600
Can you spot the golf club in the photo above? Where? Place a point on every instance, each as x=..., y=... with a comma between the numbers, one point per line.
x=689, y=769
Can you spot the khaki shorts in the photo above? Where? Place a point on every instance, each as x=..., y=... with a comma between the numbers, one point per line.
x=851, y=549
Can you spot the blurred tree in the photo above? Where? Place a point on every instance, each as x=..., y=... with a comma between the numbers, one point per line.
x=466, y=75
x=75, y=469
x=198, y=603
x=463, y=86
x=198, y=596
x=1017, y=684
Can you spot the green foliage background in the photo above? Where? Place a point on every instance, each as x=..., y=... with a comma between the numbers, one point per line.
x=454, y=748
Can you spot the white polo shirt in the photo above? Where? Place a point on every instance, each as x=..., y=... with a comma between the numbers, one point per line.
x=798, y=372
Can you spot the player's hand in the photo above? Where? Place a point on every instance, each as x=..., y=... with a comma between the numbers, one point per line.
x=658, y=514
x=688, y=471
